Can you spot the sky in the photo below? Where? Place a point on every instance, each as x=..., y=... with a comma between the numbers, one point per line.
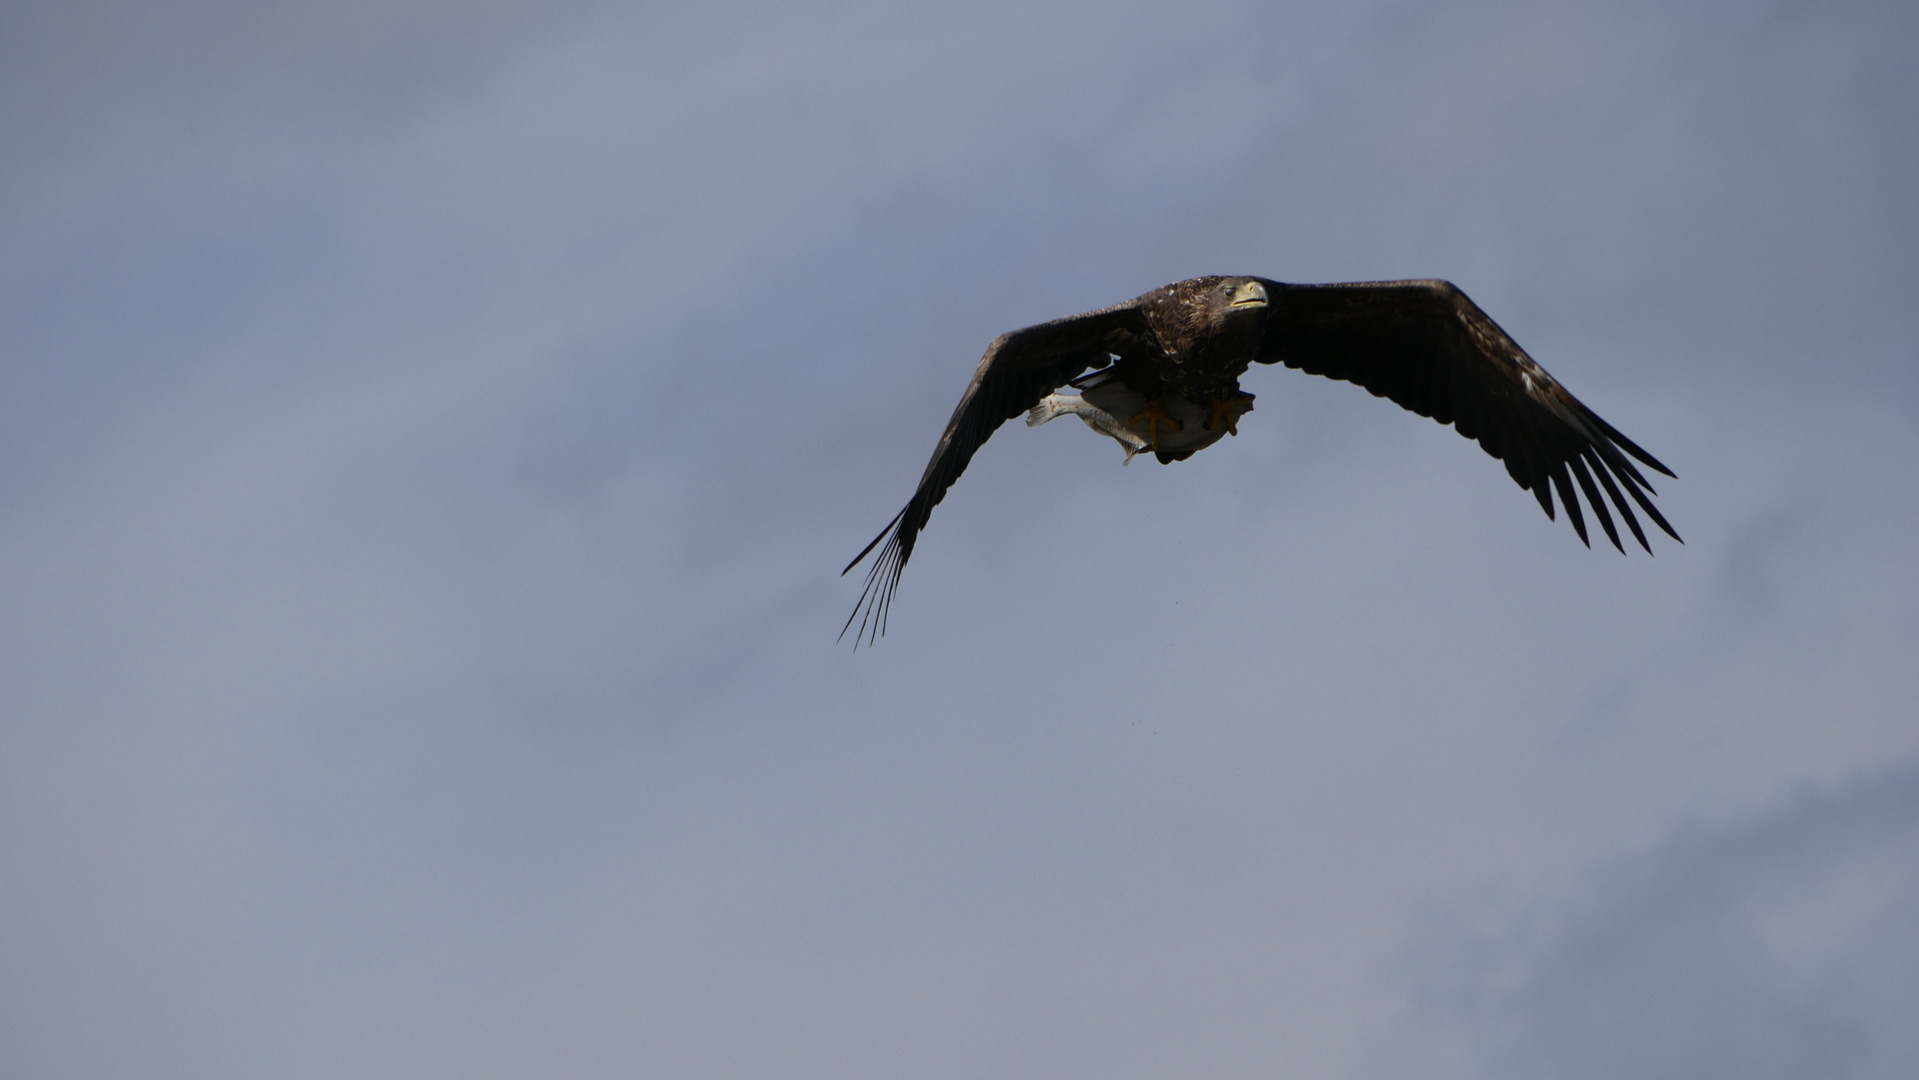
x=430, y=435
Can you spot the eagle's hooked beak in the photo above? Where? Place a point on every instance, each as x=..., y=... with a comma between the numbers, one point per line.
x=1249, y=294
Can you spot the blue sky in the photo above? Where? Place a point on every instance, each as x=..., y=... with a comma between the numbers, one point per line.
x=430, y=434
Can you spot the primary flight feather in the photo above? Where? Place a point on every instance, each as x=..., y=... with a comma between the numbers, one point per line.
x=1160, y=374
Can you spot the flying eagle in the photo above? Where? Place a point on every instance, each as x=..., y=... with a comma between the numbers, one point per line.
x=1160, y=373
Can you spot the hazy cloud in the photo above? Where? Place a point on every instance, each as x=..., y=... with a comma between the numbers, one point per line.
x=428, y=441
x=1782, y=946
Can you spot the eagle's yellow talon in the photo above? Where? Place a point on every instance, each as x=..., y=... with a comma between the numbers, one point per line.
x=1154, y=414
x=1222, y=410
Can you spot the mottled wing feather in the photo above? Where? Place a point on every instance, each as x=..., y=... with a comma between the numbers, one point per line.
x=1424, y=345
x=1017, y=371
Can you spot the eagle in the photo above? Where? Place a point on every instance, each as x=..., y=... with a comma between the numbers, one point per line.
x=1160, y=374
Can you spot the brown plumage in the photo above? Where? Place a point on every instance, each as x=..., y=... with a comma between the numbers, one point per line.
x=1182, y=348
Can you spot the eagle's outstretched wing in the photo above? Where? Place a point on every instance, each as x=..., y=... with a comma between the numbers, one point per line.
x=1426, y=346
x=1017, y=371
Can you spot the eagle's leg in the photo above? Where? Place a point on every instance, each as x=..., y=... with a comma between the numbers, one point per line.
x=1155, y=414
x=1224, y=412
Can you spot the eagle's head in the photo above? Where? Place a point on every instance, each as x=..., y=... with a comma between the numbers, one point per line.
x=1231, y=309
x=1227, y=302
x=1244, y=293
x=1215, y=323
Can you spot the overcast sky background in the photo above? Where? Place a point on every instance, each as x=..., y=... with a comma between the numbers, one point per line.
x=430, y=433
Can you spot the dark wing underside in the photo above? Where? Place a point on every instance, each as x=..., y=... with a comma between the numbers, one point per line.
x=1017, y=371
x=1426, y=346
